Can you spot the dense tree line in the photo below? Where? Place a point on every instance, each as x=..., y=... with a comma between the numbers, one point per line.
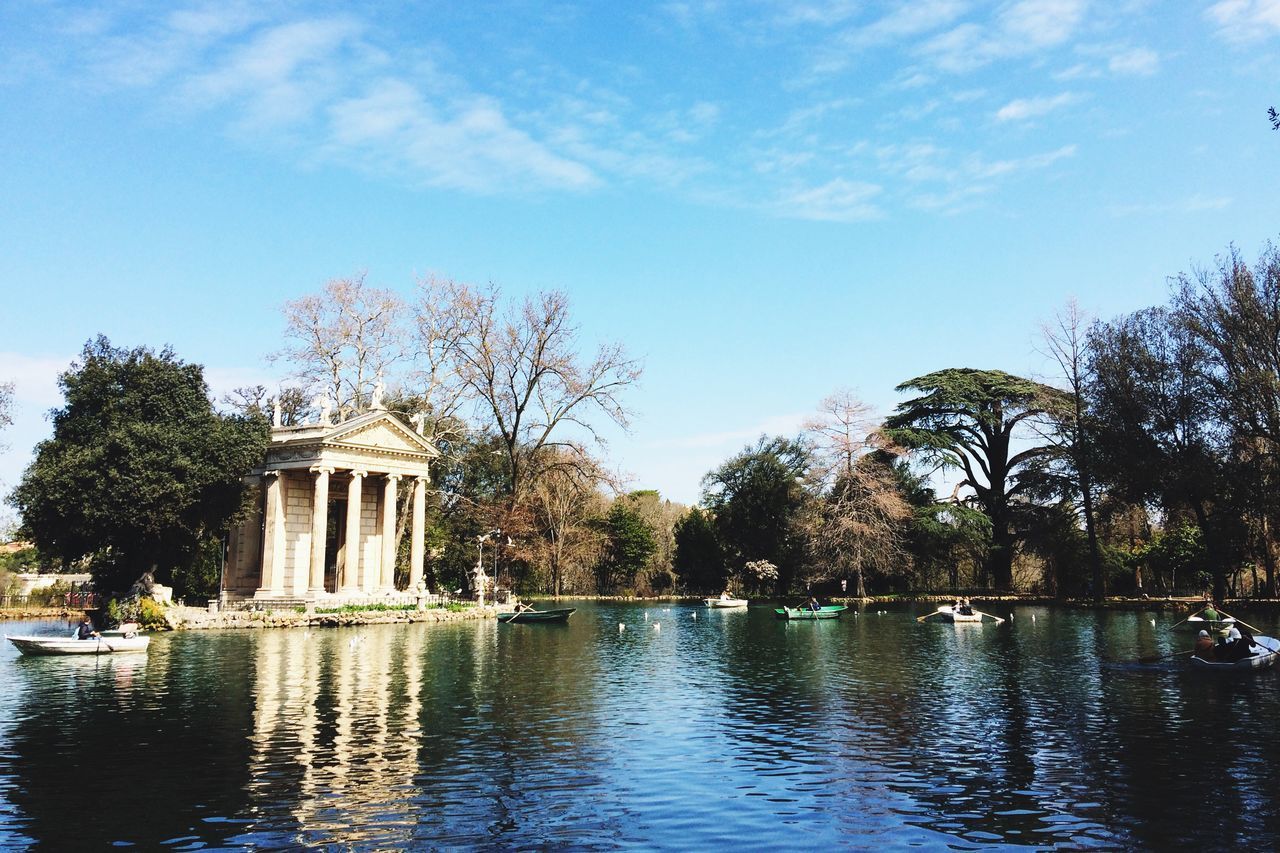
x=1149, y=461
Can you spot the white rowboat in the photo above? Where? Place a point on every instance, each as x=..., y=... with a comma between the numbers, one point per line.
x=725, y=602
x=944, y=613
x=1267, y=649
x=71, y=646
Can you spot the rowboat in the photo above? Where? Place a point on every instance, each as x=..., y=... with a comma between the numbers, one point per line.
x=725, y=602
x=561, y=615
x=1199, y=623
x=945, y=613
x=71, y=646
x=1267, y=649
x=830, y=611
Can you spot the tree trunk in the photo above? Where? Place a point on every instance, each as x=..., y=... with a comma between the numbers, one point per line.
x=1000, y=560
x=1268, y=561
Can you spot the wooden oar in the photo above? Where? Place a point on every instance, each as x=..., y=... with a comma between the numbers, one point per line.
x=101, y=642
x=927, y=615
x=1189, y=615
x=1158, y=658
x=989, y=616
x=1237, y=621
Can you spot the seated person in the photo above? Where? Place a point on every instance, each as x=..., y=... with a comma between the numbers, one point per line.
x=966, y=609
x=85, y=631
x=813, y=604
x=1204, y=647
x=1209, y=614
x=1233, y=647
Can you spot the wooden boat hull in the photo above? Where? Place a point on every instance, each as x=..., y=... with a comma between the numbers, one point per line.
x=1261, y=660
x=70, y=646
x=830, y=611
x=1195, y=623
x=561, y=615
x=946, y=614
x=725, y=602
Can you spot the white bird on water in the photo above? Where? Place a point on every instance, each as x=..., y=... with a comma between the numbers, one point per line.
x=621, y=627
x=1153, y=621
x=695, y=615
x=646, y=616
x=657, y=626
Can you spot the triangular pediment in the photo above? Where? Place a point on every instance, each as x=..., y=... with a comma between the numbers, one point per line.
x=380, y=431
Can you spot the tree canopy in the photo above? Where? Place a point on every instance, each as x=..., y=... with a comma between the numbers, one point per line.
x=139, y=467
x=966, y=419
x=756, y=498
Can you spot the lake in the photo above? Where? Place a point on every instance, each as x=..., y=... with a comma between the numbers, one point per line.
x=731, y=728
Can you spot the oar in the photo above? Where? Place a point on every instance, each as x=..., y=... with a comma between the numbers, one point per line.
x=935, y=612
x=989, y=616
x=1158, y=658
x=1197, y=613
x=1238, y=621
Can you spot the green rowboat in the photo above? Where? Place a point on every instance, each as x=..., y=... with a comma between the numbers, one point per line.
x=537, y=615
x=830, y=611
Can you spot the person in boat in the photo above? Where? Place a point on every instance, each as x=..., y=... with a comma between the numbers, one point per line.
x=966, y=609
x=85, y=630
x=1210, y=613
x=955, y=608
x=1204, y=647
x=813, y=605
x=724, y=596
x=1233, y=647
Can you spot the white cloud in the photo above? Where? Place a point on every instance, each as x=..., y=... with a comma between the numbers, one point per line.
x=1245, y=20
x=474, y=147
x=1020, y=28
x=1022, y=109
x=838, y=200
x=1139, y=61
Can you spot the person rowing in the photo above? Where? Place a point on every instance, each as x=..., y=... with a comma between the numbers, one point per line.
x=85, y=631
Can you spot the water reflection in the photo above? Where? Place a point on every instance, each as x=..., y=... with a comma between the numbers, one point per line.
x=731, y=728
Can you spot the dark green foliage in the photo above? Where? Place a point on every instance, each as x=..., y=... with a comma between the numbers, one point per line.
x=25, y=560
x=139, y=466
x=699, y=558
x=630, y=546
x=756, y=498
x=966, y=419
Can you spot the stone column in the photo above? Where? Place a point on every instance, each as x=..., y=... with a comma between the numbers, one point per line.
x=387, y=582
x=319, y=527
x=272, y=581
x=350, y=581
x=417, y=545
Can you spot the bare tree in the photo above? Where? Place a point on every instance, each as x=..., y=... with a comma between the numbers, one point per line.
x=1065, y=339
x=840, y=432
x=858, y=522
x=444, y=316
x=565, y=500
x=532, y=386
x=342, y=340
x=6, y=408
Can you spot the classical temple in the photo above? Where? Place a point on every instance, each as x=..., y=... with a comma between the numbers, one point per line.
x=325, y=529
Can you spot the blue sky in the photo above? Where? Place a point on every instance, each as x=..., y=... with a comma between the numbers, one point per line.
x=766, y=201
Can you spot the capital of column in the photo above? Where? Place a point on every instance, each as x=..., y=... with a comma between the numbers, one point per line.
x=395, y=478
x=358, y=472
x=322, y=469
x=273, y=472
x=421, y=478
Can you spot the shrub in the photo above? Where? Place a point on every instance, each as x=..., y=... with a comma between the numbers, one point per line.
x=151, y=614
x=51, y=596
